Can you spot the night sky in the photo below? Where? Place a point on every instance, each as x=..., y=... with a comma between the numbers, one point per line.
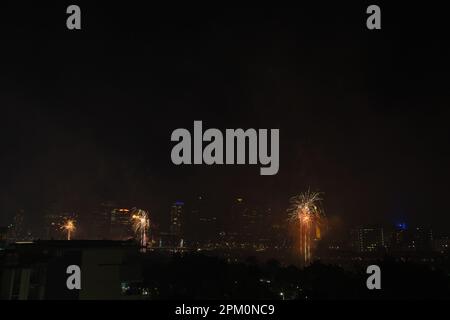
x=86, y=116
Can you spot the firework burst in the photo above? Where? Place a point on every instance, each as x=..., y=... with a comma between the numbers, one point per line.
x=305, y=211
x=69, y=227
x=141, y=224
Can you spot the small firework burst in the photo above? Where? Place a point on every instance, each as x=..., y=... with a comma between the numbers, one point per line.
x=141, y=224
x=69, y=227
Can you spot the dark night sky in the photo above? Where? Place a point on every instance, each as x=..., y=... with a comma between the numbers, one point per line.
x=363, y=115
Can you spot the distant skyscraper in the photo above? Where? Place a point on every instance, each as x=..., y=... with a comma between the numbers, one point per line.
x=17, y=229
x=421, y=238
x=176, y=214
x=399, y=237
x=411, y=239
x=370, y=239
x=120, y=224
x=202, y=222
x=100, y=221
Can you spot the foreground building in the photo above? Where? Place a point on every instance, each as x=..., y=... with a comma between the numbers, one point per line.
x=38, y=270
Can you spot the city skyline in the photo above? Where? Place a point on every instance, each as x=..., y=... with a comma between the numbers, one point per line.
x=194, y=222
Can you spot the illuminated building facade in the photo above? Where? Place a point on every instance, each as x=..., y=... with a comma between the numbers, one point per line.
x=370, y=239
x=176, y=215
x=120, y=224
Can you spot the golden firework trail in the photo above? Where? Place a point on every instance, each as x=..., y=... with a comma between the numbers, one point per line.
x=141, y=224
x=69, y=226
x=306, y=212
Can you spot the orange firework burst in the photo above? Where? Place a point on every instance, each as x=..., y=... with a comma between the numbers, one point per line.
x=305, y=210
x=69, y=226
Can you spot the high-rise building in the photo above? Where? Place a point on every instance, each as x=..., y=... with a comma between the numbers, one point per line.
x=202, y=222
x=16, y=229
x=109, y=221
x=411, y=239
x=421, y=238
x=400, y=237
x=176, y=215
x=369, y=239
x=99, y=227
x=120, y=224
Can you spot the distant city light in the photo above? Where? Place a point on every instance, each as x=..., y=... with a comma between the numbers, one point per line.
x=402, y=226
